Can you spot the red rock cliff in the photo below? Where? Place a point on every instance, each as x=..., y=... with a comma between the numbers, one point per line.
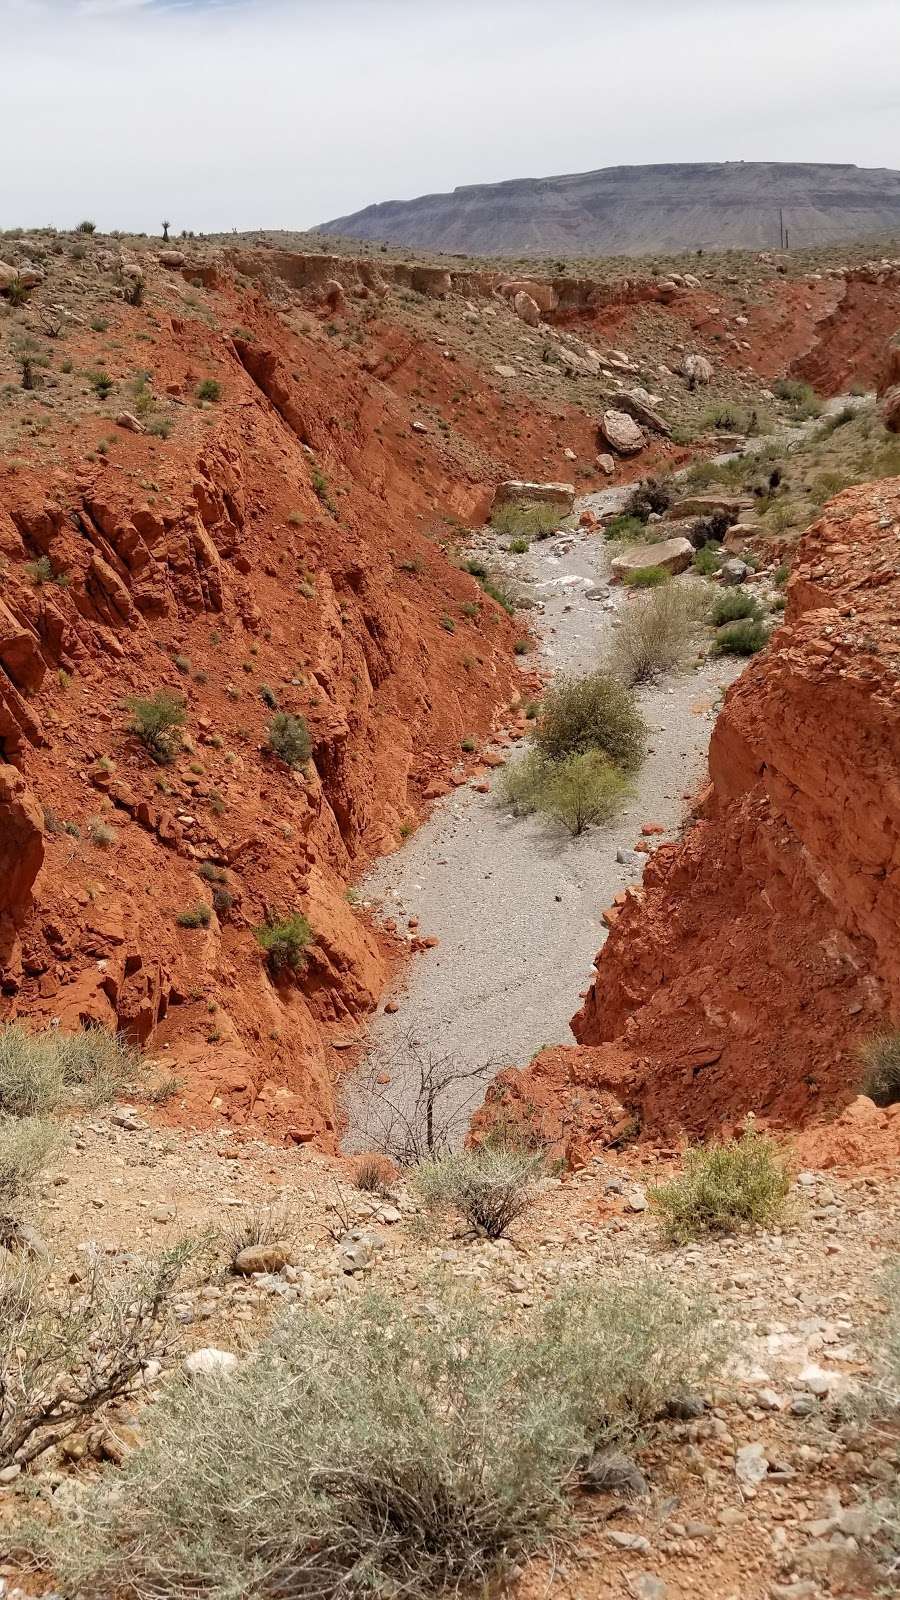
x=767, y=943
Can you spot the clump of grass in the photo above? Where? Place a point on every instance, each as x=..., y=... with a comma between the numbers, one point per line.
x=732, y=605
x=496, y=584
x=625, y=527
x=38, y=1070
x=724, y=1188
x=288, y=736
x=519, y=547
x=801, y=398
x=708, y=559
x=26, y=1145
x=373, y=1449
x=374, y=1174
x=195, y=916
x=209, y=390
x=881, y=1068
x=100, y=833
x=157, y=721
x=490, y=1187
x=43, y=571
x=527, y=522
x=646, y=578
x=743, y=638
x=285, y=941
x=656, y=633
x=593, y=712
x=101, y=383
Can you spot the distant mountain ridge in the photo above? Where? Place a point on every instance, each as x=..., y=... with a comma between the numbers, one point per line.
x=634, y=210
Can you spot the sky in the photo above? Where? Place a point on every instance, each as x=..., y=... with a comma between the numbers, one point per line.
x=220, y=114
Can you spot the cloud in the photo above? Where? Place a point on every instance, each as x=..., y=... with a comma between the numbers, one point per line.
x=245, y=113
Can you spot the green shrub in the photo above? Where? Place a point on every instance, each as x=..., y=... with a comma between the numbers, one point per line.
x=782, y=574
x=196, y=916
x=490, y=1187
x=285, y=941
x=742, y=638
x=649, y=498
x=527, y=522
x=625, y=527
x=289, y=738
x=86, y=227
x=381, y=1450
x=268, y=696
x=157, y=722
x=881, y=1068
x=800, y=397
x=209, y=389
x=496, y=584
x=447, y=623
x=101, y=383
x=724, y=1188
x=646, y=578
x=708, y=559
x=593, y=712
x=519, y=547
x=656, y=633
x=731, y=605
x=582, y=791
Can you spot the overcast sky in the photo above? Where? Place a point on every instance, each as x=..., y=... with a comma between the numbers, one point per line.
x=282, y=113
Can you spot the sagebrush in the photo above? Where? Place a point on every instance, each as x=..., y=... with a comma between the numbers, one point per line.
x=723, y=1188
x=490, y=1187
x=39, y=1071
x=377, y=1450
x=657, y=633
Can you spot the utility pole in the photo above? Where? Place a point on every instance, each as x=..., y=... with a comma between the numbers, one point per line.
x=781, y=225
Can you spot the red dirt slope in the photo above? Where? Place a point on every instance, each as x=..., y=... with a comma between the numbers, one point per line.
x=766, y=944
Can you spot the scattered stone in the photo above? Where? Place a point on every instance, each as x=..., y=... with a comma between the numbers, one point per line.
x=209, y=1363
x=606, y=464
x=647, y=1586
x=612, y=1472
x=630, y=1541
x=128, y=421
x=750, y=1466
x=637, y=403
x=262, y=1258
x=734, y=571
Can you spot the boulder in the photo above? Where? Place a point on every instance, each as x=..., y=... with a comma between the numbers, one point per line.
x=606, y=464
x=674, y=555
x=263, y=1258
x=8, y=275
x=638, y=405
x=128, y=421
x=526, y=309
x=697, y=369
x=704, y=505
x=172, y=258
x=734, y=571
x=20, y=653
x=544, y=295
x=622, y=433
x=529, y=494
x=209, y=1363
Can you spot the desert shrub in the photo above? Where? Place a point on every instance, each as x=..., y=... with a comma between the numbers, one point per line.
x=196, y=916
x=209, y=389
x=800, y=397
x=649, y=498
x=579, y=791
x=708, y=560
x=262, y=1223
x=86, y=227
x=881, y=1068
x=496, y=584
x=133, y=292
x=646, y=578
x=43, y=571
x=100, y=833
x=724, y=1188
x=158, y=722
x=26, y=1145
x=625, y=527
x=211, y=873
x=527, y=522
x=656, y=633
x=490, y=1187
x=37, y=1070
x=741, y=638
x=285, y=941
x=375, y=1450
x=519, y=546
x=731, y=605
x=373, y=1174
x=711, y=529
x=725, y=418
x=593, y=712
x=62, y=1355
x=520, y=782
x=101, y=383
x=288, y=737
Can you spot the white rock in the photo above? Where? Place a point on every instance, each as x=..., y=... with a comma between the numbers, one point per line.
x=209, y=1363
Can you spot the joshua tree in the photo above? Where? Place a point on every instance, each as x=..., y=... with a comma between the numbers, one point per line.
x=165, y=228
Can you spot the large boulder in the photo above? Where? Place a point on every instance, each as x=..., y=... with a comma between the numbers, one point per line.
x=638, y=404
x=889, y=408
x=697, y=369
x=673, y=555
x=704, y=505
x=622, y=433
x=527, y=309
x=173, y=259
x=544, y=295
x=535, y=494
